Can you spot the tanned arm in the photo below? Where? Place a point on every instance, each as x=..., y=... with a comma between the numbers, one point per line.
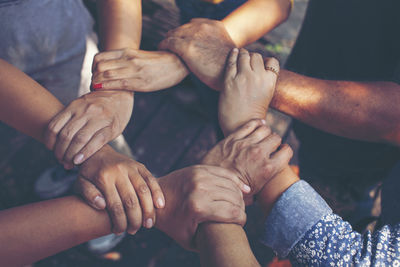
x=367, y=111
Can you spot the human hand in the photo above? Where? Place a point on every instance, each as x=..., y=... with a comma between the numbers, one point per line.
x=87, y=124
x=137, y=70
x=252, y=153
x=130, y=191
x=249, y=86
x=197, y=194
x=204, y=45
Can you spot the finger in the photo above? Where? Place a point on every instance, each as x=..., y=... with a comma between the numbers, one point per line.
x=98, y=140
x=225, y=212
x=108, y=55
x=156, y=192
x=246, y=129
x=228, y=192
x=257, y=62
x=272, y=66
x=116, y=74
x=115, y=209
x=131, y=84
x=90, y=193
x=258, y=135
x=281, y=157
x=83, y=138
x=271, y=143
x=231, y=68
x=112, y=64
x=228, y=174
x=145, y=199
x=131, y=205
x=65, y=137
x=174, y=44
x=243, y=61
x=55, y=126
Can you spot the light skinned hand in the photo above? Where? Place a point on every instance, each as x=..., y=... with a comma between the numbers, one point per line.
x=137, y=70
x=123, y=186
x=198, y=194
x=249, y=86
x=253, y=152
x=203, y=45
x=87, y=124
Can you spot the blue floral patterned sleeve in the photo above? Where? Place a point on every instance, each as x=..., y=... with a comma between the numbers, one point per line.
x=328, y=240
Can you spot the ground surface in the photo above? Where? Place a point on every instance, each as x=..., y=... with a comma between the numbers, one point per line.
x=169, y=130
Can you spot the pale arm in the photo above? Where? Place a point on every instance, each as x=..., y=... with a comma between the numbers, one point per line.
x=367, y=111
x=254, y=19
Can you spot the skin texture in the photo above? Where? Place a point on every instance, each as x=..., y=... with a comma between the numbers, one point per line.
x=227, y=244
x=87, y=124
x=120, y=27
x=137, y=70
x=357, y=110
x=38, y=230
x=28, y=107
x=244, y=72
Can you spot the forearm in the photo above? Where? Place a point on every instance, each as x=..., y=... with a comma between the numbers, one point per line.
x=24, y=104
x=224, y=245
x=254, y=19
x=120, y=23
x=360, y=110
x=35, y=231
x=38, y=230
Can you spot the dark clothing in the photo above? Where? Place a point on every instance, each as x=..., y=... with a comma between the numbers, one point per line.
x=355, y=40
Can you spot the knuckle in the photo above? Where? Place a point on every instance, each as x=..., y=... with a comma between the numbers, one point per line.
x=143, y=189
x=66, y=135
x=235, y=212
x=117, y=209
x=81, y=137
x=109, y=73
x=256, y=151
x=101, y=66
x=269, y=168
x=102, y=181
x=130, y=202
x=195, y=207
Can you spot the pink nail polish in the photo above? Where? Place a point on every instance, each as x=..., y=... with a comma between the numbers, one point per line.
x=78, y=158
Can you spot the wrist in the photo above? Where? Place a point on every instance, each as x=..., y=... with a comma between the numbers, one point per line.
x=272, y=191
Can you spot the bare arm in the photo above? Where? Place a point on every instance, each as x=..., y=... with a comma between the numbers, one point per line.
x=224, y=245
x=38, y=230
x=254, y=19
x=361, y=110
x=120, y=23
x=24, y=104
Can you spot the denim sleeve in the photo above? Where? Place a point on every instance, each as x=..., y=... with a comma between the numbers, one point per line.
x=296, y=211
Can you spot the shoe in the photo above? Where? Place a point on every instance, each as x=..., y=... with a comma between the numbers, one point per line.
x=55, y=182
x=105, y=243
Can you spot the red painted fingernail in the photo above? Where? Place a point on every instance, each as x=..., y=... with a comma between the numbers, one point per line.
x=97, y=86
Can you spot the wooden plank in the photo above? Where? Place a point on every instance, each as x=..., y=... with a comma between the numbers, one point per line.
x=166, y=137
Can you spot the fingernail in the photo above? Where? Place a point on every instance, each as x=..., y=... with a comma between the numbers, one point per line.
x=148, y=223
x=160, y=203
x=264, y=122
x=99, y=202
x=235, y=50
x=78, y=158
x=246, y=188
x=97, y=86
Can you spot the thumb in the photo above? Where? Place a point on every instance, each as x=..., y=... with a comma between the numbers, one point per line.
x=90, y=193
